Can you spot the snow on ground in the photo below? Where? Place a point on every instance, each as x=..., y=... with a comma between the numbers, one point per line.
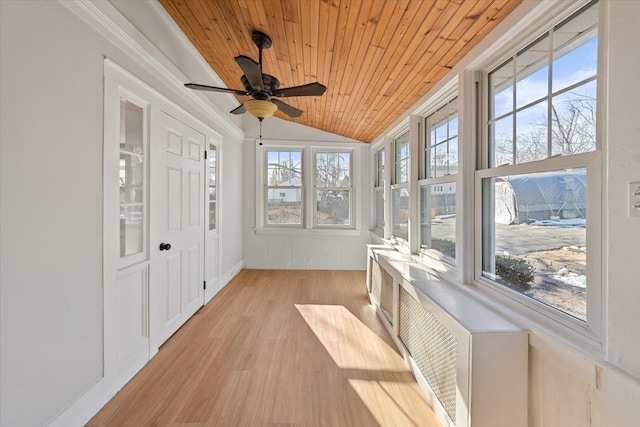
x=578, y=222
x=570, y=278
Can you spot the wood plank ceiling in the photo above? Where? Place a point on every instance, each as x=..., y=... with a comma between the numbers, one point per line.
x=376, y=57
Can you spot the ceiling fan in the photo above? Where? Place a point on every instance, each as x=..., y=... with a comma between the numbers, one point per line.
x=263, y=88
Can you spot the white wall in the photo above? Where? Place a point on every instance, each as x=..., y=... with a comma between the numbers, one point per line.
x=307, y=249
x=51, y=206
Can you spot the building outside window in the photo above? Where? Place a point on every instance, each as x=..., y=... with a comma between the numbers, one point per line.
x=439, y=171
x=284, y=188
x=541, y=160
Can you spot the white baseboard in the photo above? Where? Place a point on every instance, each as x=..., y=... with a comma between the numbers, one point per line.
x=83, y=409
x=233, y=272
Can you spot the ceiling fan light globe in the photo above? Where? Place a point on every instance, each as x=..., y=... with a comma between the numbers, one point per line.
x=260, y=109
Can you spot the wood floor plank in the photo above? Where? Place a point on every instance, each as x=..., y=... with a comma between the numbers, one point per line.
x=276, y=348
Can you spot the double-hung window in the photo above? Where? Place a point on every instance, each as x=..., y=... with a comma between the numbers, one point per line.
x=400, y=188
x=379, y=191
x=284, y=188
x=540, y=175
x=438, y=183
x=333, y=189
x=212, y=159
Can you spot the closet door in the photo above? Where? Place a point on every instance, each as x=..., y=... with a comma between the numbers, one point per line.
x=178, y=225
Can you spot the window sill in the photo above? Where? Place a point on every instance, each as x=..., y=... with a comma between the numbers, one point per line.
x=544, y=330
x=283, y=231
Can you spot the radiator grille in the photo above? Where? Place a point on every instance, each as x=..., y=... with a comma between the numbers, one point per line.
x=386, y=295
x=376, y=279
x=432, y=347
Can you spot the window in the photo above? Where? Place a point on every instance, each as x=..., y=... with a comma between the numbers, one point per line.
x=379, y=191
x=333, y=188
x=284, y=190
x=132, y=182
x=541, y=157
x=400, y=188
x=438, y=186
x=212, y=158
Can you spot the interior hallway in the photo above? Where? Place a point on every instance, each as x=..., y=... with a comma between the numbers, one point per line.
x=276, y=348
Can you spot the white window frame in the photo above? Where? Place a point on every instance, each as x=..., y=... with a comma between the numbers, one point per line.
x=446, y=96
x=143, y=255
x=211, y=146
x=589, y=333
x=266, y=187
x=317, y=188
x=379, y=187
x=395, y=185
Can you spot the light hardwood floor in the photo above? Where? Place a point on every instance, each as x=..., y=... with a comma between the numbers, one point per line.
x=276, y=348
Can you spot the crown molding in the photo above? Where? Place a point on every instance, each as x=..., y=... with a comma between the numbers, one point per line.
x=108, y=21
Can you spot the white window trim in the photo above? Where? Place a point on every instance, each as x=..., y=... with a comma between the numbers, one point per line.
x=588, y=334
x=264, y=187
x=143, y=255
x=210, y=142
x=351, y=189
x=399, y=243
x=308, y=149
x=448, y=93
x=376, y=150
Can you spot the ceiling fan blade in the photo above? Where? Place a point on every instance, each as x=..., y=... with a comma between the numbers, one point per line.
x=240, y=110
x=251, y=70
x=287, y=109
x=310, y=89
x=196, y=86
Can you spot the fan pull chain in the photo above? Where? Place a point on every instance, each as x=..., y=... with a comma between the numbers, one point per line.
x=260, y=120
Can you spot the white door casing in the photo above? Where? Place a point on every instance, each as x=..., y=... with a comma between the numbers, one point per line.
x=212, y=252
x=177, y=197
x=126, y=277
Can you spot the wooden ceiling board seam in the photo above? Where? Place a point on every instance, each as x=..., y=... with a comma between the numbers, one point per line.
x=340, y=29
x=373, y=55
x=434, y=39
x=387, y=64
x=346, y=102
x=358, y=80
x=405, y=33
x=327, y=64
x=420, y=87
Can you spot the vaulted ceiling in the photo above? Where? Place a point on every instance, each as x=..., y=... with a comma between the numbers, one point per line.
x=376, y=57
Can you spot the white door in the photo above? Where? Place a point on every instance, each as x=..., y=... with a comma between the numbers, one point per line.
x=178, y=225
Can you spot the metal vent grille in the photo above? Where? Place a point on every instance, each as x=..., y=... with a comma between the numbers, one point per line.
x=432, y=347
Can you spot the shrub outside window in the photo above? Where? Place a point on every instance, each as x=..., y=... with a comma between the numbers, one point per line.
x=542, y=156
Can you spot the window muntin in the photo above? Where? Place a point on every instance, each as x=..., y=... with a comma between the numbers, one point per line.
x=284, y=176
x=441, y=147
x=437, y=198
x=212, y=175
x=333, y=188
x=132, y=180
x=380, y=160
x=534, y=227
x=543, y=99
x=401, y=149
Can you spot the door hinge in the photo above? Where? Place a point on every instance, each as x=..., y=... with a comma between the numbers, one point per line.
x=205, y=285
x=205, y=154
